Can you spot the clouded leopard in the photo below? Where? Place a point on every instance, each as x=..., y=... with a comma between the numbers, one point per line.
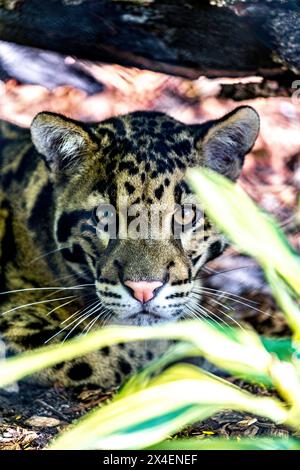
x=68, y=267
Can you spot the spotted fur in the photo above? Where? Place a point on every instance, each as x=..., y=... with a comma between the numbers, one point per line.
x=53, y=179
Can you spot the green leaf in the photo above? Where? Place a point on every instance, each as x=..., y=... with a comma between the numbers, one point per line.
x=282, y=347
x=240, y=352
x=150, y=415
x=252, y=230
x=263, y=443
x=285, y=301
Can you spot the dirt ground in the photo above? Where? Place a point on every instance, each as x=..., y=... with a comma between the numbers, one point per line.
x=30, y=418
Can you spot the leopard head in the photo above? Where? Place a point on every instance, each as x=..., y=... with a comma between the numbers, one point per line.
x=110, y=178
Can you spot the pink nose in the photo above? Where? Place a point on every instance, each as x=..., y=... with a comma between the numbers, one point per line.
x=143, y=290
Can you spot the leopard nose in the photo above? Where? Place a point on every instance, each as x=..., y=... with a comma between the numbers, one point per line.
x=143, y=290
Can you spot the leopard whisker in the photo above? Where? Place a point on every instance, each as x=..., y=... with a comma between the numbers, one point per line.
x=208, y=270
x=230, y=297
x=217, y=273
x=36, y=303
x=202, y=314
x=192, y=314
x=196, y=312
x=80, y=320
x=45, y=254
x=67, y=276
x=230, y=318
x=227, y=293
x=228, y=308
x=59, y=290
x=60, y=306
x=82, y=314
x=219, y=303
x=33, y=289
x=92, y=322
x=79, y=312
x=106, y=318
x=224, y=313
x=211, y=314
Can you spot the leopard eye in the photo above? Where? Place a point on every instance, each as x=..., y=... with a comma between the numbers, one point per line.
x=188, y=214
x=102, y=216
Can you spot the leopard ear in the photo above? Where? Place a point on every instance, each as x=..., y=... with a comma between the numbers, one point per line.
x=62, y=141
x=226, y=142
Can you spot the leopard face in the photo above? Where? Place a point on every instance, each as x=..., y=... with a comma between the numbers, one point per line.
x=101, y=174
